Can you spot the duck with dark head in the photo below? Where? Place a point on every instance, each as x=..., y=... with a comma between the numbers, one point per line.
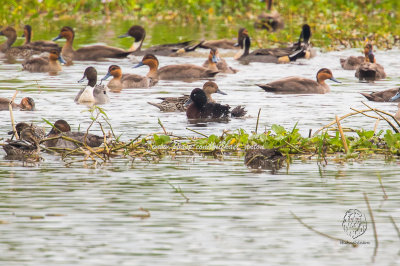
x=200, y=108
x=92, y=52
x=43, y=46
x=121, y=81
x=40, y=64
x=92, y=93
x=301, y=85
x=139, y=33
x=177, y=104
x=62, y=128
x=26, y=104
x=185, y=72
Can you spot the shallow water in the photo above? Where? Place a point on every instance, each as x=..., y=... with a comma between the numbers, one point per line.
x=51, y=214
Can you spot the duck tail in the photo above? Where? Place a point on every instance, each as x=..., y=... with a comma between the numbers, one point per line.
x=368, y=96
x=192, y=48
x=266, y=87
x=156, y=105
x=238, y=111
x=211, y=73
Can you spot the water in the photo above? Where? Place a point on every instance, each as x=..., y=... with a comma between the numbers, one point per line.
x=52, y=214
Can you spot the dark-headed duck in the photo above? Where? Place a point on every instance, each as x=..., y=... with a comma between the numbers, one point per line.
x=92, y=93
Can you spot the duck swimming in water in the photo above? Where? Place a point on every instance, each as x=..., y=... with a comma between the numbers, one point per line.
x=354, y=62
x=40, y=64
x=28, y=143
x=26, y=104
x=369, y=70
x=175, y=72
x=382, y=96
x=43, y=46
x=62, y=128
x=139, y=33
x=121, y=81
x=270, y=55
x=216, y=63
x=199, y=108
x=177, y=104
x=301, y=85
x=92, y=52
x=11, y=35
x=92, y=93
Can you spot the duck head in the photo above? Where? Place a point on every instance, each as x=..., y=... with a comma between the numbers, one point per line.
x=324, y=74
x=213, y=55
x=395, y=97
x=27, y=104
x=11, y=35
x=149, y=60
x=55, y=54
x=244, y=43
x=368, y=52
x=211, y=87
x=91, y=75
x=114, y=71
x=138, y=33
x=59, y=127
x=67, y=33
x=305, y=34
x=27, y=33
x=198, y=97
x=18, y=128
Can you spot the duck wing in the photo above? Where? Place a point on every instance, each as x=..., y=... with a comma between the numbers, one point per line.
x=215, y=110
x=381, y=96
x=37, y=64
x=185, y=71
x=134, y=81
x=100, y=94
x=95, y=52
x=291, y=85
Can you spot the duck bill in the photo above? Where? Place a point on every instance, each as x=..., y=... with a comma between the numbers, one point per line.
x=215, y=59
x=188, y=102
x=139, y=65
x=394, y=98
x=82, y=79
x=61, y=59
x=58, y=37
x=335, y=80
x=106, y=76
x=124, y=35
x=221, y=92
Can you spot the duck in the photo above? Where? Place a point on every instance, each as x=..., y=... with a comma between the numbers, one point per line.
x=369, y=70
x=199, y=108
x=40, y=64
x=15, y=51
x=271, y=159
x=120, y=80
x=11, y=35
x=382, y=96
x=27, y=144
x=139, y=33
x=44, y=46
x=216, y=63
x=301, y=85
x=174, y=72
x=221, y=44
x=26, y=104
x=92, y=93
x=177, y=104
x=270, y=55
x=62, y=128
x=92, y=52
x=354, y=62
x=271, y=21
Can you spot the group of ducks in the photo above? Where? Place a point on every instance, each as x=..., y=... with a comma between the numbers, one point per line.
x=199, y=104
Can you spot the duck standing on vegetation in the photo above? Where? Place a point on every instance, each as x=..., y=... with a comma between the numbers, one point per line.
x=174, y=72
x=200, y=108
x=369, y=70
x=139, y=33
x=40, y=64
x=28, y=143
x=382, y=96
x=121, y=81
x=301, y=85
x=177, y=104
x=26, y=104
x=62, y=128
x=92, y=93
x=92, y=52
x=216, y=63
x=270, y=55
x=271, y=21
